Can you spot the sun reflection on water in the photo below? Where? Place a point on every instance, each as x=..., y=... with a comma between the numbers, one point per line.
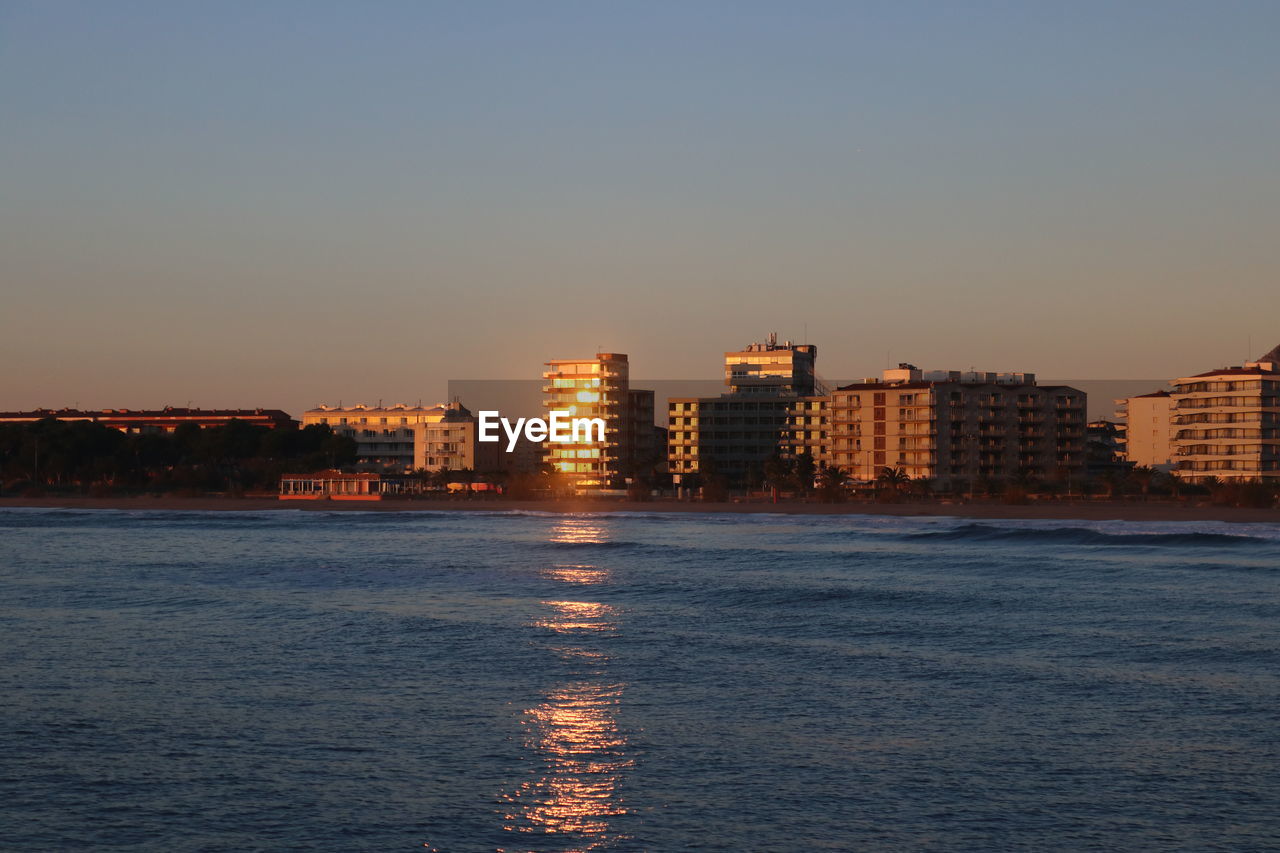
x=576, y=573
x=571, y=800
x=579, y=530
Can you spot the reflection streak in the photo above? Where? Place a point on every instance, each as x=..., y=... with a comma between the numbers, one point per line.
x=572, y=798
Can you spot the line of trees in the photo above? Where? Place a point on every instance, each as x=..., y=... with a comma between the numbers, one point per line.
x=85, y=456
x=803, y=477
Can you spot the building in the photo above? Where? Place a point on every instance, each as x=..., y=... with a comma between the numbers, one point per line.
x=956, y=427
x=404, y=438
x=1227, y=422
x=808, y=428
x=167, y=419
x=647, y=453
x=734, y=434
x=1146, y=429
x=1104, y=450
x=772, y=369
x=340, y=486
x=599, y=387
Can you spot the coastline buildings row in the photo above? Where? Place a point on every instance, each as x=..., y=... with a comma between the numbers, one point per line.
x=950, y=427
x=1222, y=424
x=947, y=426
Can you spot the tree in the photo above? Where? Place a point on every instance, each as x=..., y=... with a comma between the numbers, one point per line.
x=831, y=480
x=921, y=487
x=804, y=472
x=892, y=479
x=1142, y=477
x=777, y=473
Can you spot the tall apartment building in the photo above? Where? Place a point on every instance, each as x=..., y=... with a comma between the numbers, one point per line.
x=599, y=387
x=1146, y=429
x=952, y=426
x=404, y=438
x=1227, y=422
x=735, y=433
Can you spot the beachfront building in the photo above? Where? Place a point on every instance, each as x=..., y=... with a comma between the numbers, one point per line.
x=347, y=486
x=1104, y=450
x=1146, y=429
x=957, y=427
x=599, y=387
x=808, y=428
x=404, y=438
x=734, y=434
x=163, y=420
x=1227, y=422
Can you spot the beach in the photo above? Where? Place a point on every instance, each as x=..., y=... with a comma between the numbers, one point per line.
x=1065, y=510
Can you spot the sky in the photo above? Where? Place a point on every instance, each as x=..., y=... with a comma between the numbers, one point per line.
x=279, y=204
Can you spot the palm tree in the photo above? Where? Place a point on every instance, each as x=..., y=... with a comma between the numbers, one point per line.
x=892, y=479
x=805, y=470
x=1142, y=476
x=830, y=479
x=1112, y=481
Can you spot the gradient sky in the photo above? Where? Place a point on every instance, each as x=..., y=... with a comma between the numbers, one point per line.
x=283, y=203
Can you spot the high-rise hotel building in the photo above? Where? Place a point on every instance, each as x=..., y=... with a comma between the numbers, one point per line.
x=598, y=388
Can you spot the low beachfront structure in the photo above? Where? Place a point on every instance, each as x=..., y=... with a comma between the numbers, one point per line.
x=339, y=486
x=167, y=419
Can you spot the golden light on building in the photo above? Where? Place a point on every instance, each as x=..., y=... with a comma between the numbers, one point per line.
x=589, y=388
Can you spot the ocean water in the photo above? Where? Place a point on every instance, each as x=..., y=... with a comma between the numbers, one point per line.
x=297, y=680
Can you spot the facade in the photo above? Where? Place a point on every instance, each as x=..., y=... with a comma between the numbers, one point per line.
x=1227, y=423
x=734, y=434
x=404, y=438
x=772, y=369
x=808, y=428
x=1104, y=449
x=646, y=454
x=596, y=388
x=167, y=419
x=1146, y=429
x=955, y=427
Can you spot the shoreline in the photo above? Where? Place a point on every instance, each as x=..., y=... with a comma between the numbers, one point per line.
x=1100, y=511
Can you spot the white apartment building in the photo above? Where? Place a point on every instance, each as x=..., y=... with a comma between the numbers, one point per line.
x=403, y=438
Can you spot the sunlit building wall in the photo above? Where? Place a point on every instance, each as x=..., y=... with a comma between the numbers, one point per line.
x=1227, y=423
x=1146, y=429
x=954, y=427
x=590, y=388
x=404, y=438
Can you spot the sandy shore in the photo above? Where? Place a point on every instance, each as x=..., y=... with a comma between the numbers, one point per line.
x=1096, y=511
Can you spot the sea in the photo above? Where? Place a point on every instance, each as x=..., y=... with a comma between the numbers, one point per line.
x=527, y=681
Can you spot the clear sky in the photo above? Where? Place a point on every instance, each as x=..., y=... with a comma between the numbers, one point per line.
x=283, y=203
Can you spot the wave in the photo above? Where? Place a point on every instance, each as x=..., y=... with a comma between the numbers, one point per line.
x=1086, y=536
